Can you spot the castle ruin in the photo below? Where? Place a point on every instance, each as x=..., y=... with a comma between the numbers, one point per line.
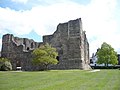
x=69, y=39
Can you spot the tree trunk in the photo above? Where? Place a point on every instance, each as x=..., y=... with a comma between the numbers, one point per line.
x=105, y=65
x=46, y=66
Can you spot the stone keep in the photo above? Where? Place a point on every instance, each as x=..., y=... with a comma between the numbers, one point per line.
x=69, y=39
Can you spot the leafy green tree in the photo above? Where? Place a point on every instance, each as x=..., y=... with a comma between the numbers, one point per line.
x=45, y=55
x=107, y=55
x=5, y=64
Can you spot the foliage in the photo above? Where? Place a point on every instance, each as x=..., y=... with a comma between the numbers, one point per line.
x=5, y=64
x=45, y=55
x=107, y=55
x=104, y=67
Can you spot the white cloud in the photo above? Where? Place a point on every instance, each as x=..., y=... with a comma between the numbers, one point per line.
x=97, y=16
x=99, y=21
x=20, y=1
x=43, y=19
x=13, y=21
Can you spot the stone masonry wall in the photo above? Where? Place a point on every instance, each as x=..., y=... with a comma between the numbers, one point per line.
x=18, y=50
x=72, y=45
x=69, y=39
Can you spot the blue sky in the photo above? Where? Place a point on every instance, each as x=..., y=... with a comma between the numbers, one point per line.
x=35, y=18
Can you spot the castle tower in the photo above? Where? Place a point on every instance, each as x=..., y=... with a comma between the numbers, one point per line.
x=6, y=45
x=11, y=50
x=72, y=45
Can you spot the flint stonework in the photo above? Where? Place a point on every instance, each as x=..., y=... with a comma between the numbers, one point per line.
x=69, y=39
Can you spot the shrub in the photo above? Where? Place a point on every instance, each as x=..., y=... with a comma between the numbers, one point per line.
x=5, y=64
x=105, y=67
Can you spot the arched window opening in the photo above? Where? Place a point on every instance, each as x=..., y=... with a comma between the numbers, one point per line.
x=18, y=65
x=32, y=45
x=28, y=48
x=57, y=58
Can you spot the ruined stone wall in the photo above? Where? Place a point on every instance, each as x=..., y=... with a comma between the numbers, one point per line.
x=69, y=39
x=72, y=45
x=18, y=50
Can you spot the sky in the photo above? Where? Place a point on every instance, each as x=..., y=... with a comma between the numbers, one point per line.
x=35, y=18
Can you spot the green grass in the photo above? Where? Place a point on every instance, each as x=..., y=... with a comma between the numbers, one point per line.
x=61, y=80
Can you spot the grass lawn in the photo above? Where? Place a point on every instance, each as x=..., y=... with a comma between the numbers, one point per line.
x=61, y=80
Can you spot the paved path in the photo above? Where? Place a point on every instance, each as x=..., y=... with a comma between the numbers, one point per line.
x=95, y=70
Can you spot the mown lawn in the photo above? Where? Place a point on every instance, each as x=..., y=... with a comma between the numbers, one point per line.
x=61, y=80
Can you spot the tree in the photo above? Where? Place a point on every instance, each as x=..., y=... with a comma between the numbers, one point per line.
x=5, y=64
x=45, y=55
x=107, y=55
